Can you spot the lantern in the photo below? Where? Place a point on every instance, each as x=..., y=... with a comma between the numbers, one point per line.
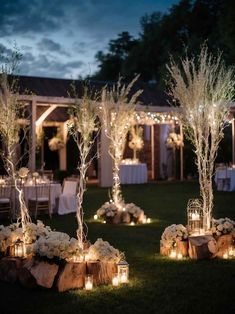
x=195, y=216
x=123, y=271
x=18, y=249
x=88, y=282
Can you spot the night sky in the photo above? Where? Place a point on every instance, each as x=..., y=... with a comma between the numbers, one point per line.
x=60, y=38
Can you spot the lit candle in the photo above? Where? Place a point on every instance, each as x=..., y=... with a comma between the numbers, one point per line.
x=115, y=281
x=148, y=220
x=225, y=255
x=104, y=222
x=179, y=256
x=173, y=254
x=95, y=217
x=123, y=209
x=132, y=223
x=123, y=277
x=88, y=282
x=195, y=216
x=230, y=251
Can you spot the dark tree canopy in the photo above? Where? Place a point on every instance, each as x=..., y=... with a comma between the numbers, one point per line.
x=187, y=24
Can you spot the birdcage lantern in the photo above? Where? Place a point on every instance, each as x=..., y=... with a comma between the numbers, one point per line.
x=195, y=216
x=123, y=271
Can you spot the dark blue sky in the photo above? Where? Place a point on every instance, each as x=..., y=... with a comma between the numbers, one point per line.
x=59, y=38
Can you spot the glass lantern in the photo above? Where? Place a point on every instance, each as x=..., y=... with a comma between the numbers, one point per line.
x=18, y=249
x=123, y=271
x=195, y=216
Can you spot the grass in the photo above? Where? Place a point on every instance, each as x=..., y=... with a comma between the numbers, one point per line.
x=158, y=285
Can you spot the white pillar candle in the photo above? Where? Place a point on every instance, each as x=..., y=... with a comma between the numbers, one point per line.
x=115, y=281
x=95, y=217
x=88, y=282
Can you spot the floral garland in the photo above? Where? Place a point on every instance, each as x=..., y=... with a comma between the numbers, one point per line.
x=223, y=226
x=103, y=251
x=174, y=140
x=172, y=234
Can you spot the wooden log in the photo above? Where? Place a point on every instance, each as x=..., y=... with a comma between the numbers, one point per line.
x=117, y=219
x=25, y=277
x=94, y=269
x=202, y=247
x=126, y=218
x=102, y=272
x=71, y=276
x=44, y=273
x=9, y=269
x=224, y=243
x=182, y=247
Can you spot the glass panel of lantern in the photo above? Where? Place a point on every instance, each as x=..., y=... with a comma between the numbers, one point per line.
x=195, y=216
x=18, y=249
x=123, y=271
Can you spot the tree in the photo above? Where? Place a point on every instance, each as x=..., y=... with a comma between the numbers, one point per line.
x=82, y=126
x=204, y=88
x=10, y=113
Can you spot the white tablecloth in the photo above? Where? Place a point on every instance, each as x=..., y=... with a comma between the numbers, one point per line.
x=133, y=174
x=228, y=173
x=55, y=191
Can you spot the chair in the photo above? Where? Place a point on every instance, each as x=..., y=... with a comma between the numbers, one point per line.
x=47, y=173
x=41, y=201
x=68, y=198
x=223, y=181
x=5, y=201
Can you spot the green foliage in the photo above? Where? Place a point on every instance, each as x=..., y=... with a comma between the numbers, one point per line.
x=187, y=24
x=158, y=285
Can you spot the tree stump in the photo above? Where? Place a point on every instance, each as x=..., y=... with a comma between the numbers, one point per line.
x=44, y=273
x=224, y=243
x=182, y=247
x=202, y=247
x=117, y=219
x=71, y=276
x=102, y=272
x=25, y=277
x=9, y=269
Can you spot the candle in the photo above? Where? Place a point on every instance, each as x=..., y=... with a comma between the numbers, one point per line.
x=115, y=281
x=123, y=278
x=179, y=256
x=88, y=282
x=148, y=220
x=123, y=209
x=95, y=217
x=104, y=222
x=225, y=255
x=132, y=223
x=230, y=252
x=173, y=254
x=195, y=216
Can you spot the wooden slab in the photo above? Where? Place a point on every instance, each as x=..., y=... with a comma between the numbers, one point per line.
x=71, y=276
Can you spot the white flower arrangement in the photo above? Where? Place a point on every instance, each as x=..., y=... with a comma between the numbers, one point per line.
x=9, y=235
x=103, y=251
x=174, y=140
x=108, y=209
x=173, y=234
x=223, y=226
x=57, y=245
x=135, y=211
x=55, y=143
x=33, y=231
x=23, y=172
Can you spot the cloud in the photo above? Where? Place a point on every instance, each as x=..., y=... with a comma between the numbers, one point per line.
x=42, y=65
x=47, y=44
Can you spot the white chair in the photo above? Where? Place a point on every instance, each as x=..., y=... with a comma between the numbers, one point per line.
x=68, y=198
x=5, y=201
x=223, y=181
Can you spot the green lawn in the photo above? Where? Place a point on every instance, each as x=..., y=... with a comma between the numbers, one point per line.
x=157, y=285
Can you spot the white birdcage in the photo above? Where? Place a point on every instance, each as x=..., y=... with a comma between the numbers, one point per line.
x=195, y=216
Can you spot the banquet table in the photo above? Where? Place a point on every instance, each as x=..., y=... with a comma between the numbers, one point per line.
x=133, y=173
x=226, y=173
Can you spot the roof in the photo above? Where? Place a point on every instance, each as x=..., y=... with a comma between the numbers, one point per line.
x=54, y=87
